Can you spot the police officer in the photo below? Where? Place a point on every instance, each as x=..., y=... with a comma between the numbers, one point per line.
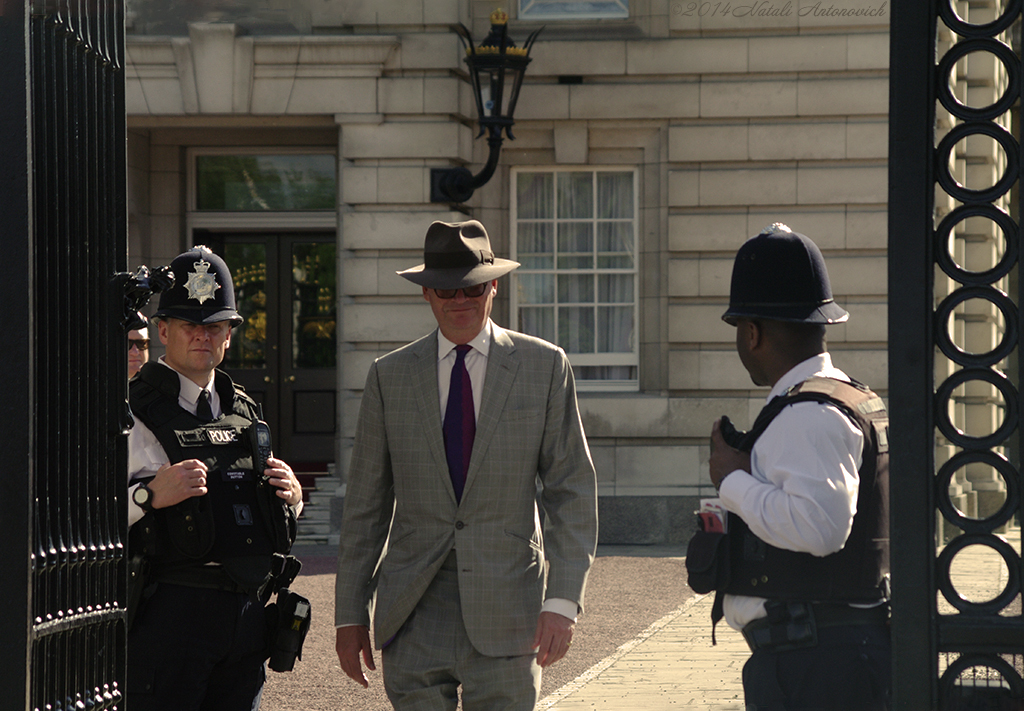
x=807, y=492
x=205, y=524
x=138, y=345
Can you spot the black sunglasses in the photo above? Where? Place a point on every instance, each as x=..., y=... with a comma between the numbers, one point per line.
x=470, y=292
x=141, y=343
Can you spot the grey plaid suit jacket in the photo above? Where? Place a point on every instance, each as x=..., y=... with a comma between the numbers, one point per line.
x=528, y=430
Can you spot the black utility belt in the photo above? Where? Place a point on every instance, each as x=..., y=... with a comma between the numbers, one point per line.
x=794, y=625
x=200, y=576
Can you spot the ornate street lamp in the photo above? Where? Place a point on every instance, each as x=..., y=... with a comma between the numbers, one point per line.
x=496, y=69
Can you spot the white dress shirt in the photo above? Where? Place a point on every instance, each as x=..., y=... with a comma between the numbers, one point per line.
x=476, y=365
x=801, y=492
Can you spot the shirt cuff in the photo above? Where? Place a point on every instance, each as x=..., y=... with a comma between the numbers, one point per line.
x=561, y=606
x=732, y=489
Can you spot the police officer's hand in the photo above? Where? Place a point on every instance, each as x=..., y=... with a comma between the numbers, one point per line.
x=724, y=459
x=282, y=476
x=553, y=637
x=352, y=641
x=174, y=483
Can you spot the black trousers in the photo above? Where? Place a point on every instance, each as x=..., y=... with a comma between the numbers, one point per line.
x=197, y=649
x=848, y=670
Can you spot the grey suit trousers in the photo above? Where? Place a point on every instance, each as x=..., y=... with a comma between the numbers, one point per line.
x=427, y=661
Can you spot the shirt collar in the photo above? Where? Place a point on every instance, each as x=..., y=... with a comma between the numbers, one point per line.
x=816, y=366
x=188, y=391
x=481, y=343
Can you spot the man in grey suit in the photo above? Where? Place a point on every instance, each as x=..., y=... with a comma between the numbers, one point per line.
x=460, y=435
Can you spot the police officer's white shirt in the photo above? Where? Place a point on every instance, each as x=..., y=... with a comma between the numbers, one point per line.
x=145, y=453
x=801, y=493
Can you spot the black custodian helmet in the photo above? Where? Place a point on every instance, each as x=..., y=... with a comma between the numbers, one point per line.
x=203, y=291
x=780, y=275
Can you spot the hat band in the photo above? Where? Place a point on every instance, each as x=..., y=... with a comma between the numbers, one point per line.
x=456, y=260
x=786, y=304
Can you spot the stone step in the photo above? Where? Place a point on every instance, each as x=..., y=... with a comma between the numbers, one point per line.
x=330, y=540
x=318, y=492
x=310, y=482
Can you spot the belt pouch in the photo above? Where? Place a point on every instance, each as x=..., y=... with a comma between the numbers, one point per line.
x=707, y=561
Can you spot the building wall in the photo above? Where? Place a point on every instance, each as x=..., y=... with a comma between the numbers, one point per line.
x=733, y=122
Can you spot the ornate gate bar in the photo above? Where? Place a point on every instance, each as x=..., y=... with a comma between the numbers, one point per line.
x=64, y=415
x=951, y=651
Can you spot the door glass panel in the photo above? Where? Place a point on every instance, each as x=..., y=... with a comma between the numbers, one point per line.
x=314, y=307
x=248, y=264
x=252, y=183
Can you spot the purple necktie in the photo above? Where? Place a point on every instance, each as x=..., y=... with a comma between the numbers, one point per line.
x=459, y=422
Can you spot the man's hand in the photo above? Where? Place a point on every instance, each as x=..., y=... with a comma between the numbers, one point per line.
x=351, y=642
x=724, y=459
x=174, y=483
x=553, y=638
x=282, y=476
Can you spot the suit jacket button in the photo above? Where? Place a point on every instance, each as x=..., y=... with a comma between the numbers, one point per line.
x=459, y=525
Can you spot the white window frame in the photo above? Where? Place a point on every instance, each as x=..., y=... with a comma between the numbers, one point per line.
x=239, y=219
x=586, y=359
x=525, y=13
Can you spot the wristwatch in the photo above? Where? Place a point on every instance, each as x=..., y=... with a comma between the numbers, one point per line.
x=143, y=497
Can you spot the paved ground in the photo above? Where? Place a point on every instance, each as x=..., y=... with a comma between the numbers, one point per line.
x=644, y=642
x=630, y=590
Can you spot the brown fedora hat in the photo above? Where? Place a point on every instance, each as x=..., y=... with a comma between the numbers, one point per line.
x=457, y=255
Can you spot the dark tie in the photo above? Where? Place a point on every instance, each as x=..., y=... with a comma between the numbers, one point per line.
x=203, y=410
x=459, y=422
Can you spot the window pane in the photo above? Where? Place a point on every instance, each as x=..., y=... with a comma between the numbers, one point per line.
x=576, y=195
x=536, y=245
x=314, y=307
x=615, y=288
x=259, y=183
x=575, y=289
x=615, y=195
x=572, y=9
x=535, y=195
x=575, y=245
x=248, y=264
x=605, y=372
x=575, y=262
x=539, y=322
x=615, y=332
x=536, y=288
x=615, y=245
x=576, y=329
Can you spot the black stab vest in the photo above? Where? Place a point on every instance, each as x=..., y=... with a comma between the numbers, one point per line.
x=241, y=522
x=856, y=572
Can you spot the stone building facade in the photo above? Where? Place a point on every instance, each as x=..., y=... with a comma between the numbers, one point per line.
x=652, y=138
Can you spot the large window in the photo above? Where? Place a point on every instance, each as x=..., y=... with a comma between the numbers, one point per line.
x=574, y=232
x=572, y=9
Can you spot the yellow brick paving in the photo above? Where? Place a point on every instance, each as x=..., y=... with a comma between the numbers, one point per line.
x=672, y=664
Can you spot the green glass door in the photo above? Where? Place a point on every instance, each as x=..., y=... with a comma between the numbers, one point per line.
x=285, y=352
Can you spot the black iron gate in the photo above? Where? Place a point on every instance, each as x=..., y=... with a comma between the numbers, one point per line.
x=62, y=412
x=953, y=649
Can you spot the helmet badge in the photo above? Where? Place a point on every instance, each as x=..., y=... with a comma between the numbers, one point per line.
x=201, y=284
